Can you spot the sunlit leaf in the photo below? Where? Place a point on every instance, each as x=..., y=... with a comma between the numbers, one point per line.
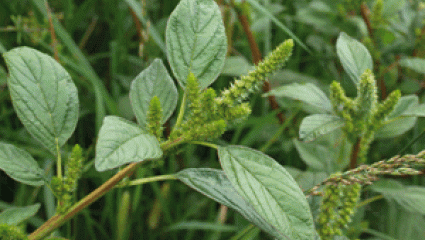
x=270, y=189
x=121, y=141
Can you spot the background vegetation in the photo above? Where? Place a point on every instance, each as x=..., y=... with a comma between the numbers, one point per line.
x=104, y=44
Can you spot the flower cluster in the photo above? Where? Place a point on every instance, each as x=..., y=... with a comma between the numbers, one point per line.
x=338, y=205
x=63, y=188
x=210, y=114
x=363, y=115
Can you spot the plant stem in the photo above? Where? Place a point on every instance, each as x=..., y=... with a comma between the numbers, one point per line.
x=148, y=180
x=57, y=220
x=355, y=153
x=278, y=133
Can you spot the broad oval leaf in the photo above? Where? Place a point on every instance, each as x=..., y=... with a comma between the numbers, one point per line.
x=20, y=165
x=270, y=189
x=16, y=215
x=196, y=41
x=120, y=142
x=354, y=56
x=316, y=125
x=307, y=93
x=43, y=95
x=153, y=81
x=214, y=184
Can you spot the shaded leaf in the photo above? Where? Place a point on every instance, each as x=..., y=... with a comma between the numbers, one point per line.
x=16, y=215
x=307, y=93
x=214, y=184
x=43, y=95
x=270, y=189
x=411, y=198
x=20, y=165
x=401, y=119
x=316, y=125
x=120, y=142
x=196, y=41
x=153, y=81
x=414, y=63
x=354, y=56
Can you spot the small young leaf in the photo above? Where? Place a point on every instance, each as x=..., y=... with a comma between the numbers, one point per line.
x=16, y=215
x=196, y=41
x=43, y=95
x=354, y=56
x=153, y=81
x=307, y=93
x=270, y=189
x=20, y=165
x=120, y=142
x=214, y=184
x=319, y=124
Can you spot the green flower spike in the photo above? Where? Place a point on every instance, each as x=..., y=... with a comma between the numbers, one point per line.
x=154, y=118
x=338, y=205
x=367, y=96
x=239, y=91
x=385, y=108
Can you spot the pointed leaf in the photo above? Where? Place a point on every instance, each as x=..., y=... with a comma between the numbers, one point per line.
x=270, y=189
x=153, y=81
x=196, y=41
x=354, y=56
x=16, y=215
x=43, y=95
x=316, y=125
x=307, y=93
x=20, y=165
x=214, y=184
x=120, y=142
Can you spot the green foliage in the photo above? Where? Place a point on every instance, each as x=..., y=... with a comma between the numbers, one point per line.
x=8, y=232
x=350, y=95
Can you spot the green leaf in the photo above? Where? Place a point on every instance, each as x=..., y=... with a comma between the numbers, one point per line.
x=153, y=81
x=43, y=95
x=276, y=21
x=411, y=198
x=270, y=189
x=120, y=142
x=391, y=7
x=316, y=125
x=401, y=119
x=196, y=41
x=307, y=93
x=236, y=66
x=204, y=226
x=321, y=157
x=214, y=184
x=354, y=56
x=20, y=165
x=416, y=64
x=16, y=215
x=395, y=127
